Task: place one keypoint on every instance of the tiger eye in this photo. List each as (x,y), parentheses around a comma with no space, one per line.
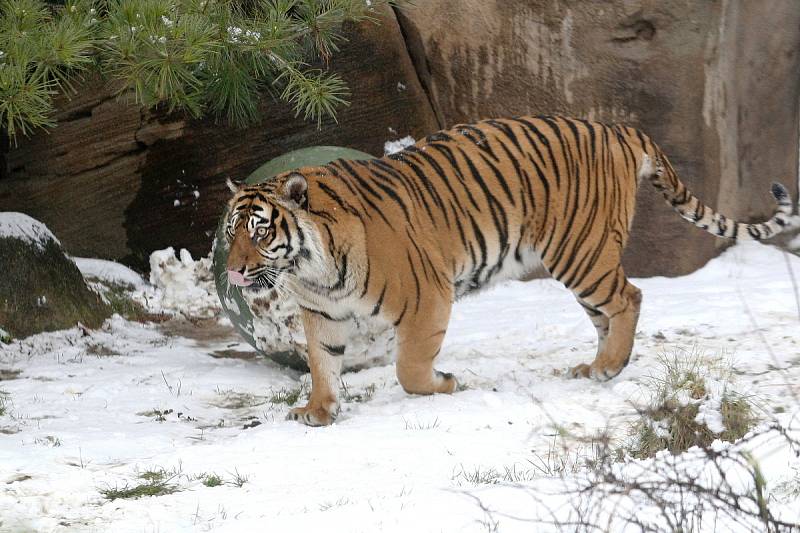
(261,231)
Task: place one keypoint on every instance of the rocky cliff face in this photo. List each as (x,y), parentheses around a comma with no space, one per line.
(714,83)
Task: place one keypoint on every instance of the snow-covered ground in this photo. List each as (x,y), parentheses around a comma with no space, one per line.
(90,412)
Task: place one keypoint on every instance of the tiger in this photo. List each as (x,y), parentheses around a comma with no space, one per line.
(400,238)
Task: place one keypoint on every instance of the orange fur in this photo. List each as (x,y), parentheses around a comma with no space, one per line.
(400,238)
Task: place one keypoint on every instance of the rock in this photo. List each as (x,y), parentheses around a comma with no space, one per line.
(272,323)
(42,289)
(715,84)
(116,182)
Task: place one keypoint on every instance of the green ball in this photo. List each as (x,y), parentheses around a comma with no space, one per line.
(235,307)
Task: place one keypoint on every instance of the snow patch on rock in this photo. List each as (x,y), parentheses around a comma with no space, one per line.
(21,226)
(109,272)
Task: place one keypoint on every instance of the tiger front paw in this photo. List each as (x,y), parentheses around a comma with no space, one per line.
(314,415)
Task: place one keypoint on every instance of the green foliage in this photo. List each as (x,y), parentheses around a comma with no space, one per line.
(212,480)
(287,396)
(148,488)
(39,54)
(198,56)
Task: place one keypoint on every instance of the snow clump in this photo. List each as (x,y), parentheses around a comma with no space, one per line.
(184,285)
(392,147)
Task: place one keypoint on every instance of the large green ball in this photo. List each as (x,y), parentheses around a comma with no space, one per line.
(236,308)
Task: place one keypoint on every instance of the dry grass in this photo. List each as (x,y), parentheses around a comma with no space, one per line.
(558,461)
(4,401)
(671,422)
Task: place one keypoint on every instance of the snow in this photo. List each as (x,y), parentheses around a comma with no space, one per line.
(109,271)
(392,147)
(131,397)
(21,226)
(184,285)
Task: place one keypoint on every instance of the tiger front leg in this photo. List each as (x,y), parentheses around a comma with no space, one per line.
(419,341)
(326,340)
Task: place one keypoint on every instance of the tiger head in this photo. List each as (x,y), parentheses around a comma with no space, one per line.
(267,230)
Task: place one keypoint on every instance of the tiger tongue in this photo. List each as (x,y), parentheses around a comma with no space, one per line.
(237,278)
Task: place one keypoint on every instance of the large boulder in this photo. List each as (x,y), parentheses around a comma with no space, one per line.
(715,84)
(42,289)
(117,182)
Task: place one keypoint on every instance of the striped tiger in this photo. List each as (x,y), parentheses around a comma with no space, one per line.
(401,238)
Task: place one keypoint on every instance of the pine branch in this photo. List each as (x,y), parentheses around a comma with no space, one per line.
(196,56)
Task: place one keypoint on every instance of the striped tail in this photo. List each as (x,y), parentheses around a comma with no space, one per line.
(688,206)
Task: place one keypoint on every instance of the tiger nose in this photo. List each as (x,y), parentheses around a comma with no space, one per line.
(237,278)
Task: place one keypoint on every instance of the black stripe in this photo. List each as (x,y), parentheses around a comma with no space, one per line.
(543,140)
(420,195)
(391,193)
(500,180)
(335,349)
(377,308)
(325,315)
(402,314)
(336,198)
(447,152)
(416,279)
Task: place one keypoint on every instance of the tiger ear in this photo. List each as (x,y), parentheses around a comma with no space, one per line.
(234,186)
(294,190)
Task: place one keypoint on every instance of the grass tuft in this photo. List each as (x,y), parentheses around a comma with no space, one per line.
(357,397)
(492,476)
(49,440)
(286,396)
(559,461)
(789,489)
(325,506)
(4,401)
(156,482)
(212,480)
(239,479)
(148,488)
(420,425)
(691,390)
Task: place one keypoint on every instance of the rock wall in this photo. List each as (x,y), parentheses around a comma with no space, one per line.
(715,84)
(118,183)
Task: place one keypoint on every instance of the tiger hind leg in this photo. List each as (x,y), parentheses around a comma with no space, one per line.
(619,306)
(600,323)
